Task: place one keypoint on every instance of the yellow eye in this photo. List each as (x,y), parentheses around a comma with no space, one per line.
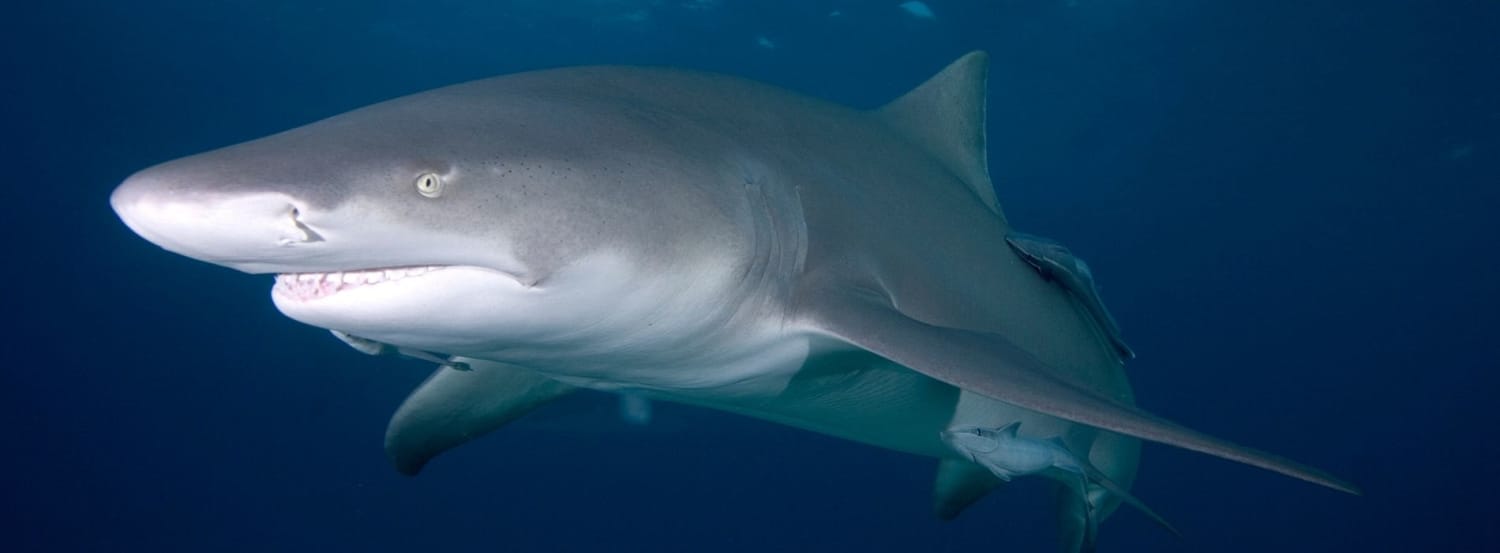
(430,185)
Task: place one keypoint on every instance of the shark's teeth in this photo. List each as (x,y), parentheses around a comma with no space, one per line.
(308,286)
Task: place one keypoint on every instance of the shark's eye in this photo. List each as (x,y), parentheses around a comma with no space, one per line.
(429,185)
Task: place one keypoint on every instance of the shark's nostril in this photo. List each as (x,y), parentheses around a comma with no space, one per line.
(308,234)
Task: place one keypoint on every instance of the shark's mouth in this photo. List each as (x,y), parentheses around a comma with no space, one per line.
(311,286)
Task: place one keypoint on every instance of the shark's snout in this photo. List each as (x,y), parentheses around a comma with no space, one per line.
(239,230)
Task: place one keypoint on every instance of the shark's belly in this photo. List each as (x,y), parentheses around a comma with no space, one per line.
(852,394)
(861,397)
(849,394)
(856,396)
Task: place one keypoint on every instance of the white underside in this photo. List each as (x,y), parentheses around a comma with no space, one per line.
(593,326)
(649,340)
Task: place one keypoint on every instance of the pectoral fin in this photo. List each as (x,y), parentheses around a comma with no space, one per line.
(959,484)
(457,405)
(991,365)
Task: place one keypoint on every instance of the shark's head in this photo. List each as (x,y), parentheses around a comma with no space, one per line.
(975,441)
(470,218)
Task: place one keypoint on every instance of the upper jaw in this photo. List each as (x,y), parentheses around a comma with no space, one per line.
(270,233)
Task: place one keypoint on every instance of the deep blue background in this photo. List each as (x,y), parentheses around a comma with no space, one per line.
(1292,207)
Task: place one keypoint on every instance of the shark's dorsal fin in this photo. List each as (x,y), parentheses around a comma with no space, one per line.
(1012,429)
(959,484)
(945,117)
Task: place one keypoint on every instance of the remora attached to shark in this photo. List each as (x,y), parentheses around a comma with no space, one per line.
(682,236)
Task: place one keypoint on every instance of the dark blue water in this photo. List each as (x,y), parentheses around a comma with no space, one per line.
(1292,209)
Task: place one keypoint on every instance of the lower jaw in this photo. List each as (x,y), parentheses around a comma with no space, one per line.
(456,308)
(303,287)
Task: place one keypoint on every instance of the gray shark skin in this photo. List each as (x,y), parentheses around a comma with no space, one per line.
(676,236)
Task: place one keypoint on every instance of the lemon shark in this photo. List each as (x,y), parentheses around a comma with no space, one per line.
(687,237)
